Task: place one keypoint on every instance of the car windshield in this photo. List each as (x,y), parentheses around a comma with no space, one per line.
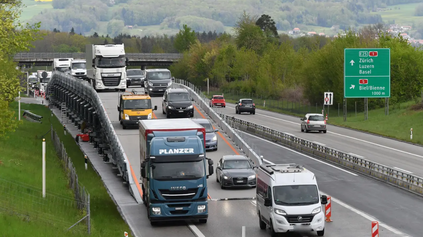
(236,164)
(178,170)
(247,102)
(218,97)
(134,72)
(78,66)
(158,75)
(102,62)
(32,79)
(316,118)
(208,127)
(174,97)
(137,104)
(296,195)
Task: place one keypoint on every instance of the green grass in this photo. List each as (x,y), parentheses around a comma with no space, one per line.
(20,158)
(402,16)
(395,125)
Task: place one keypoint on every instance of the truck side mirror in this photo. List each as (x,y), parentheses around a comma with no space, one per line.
(216,130)
(155,107)
(192,99)
(324,199)
(93,62)
(118,108)
(126,61)
(211,171)
(143,169)
(267,202)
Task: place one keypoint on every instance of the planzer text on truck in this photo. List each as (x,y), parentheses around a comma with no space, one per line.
(106,66)
(173,170)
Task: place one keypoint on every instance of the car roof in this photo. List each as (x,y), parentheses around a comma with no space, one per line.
(245,99)
(177,90)
(201,120)
(134,69)
(217,95)
(157,70)
(234,157)
(313,114)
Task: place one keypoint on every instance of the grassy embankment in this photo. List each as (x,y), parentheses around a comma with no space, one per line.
(396,125)
(20,161)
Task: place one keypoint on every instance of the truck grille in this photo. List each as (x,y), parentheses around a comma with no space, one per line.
(239,180)
(135,118)
(111,81)
(178,194)
(299,218)
(179,212)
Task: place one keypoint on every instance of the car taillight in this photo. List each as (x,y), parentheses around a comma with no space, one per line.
(240,104)
(325,121)
(308,121)
(254,104)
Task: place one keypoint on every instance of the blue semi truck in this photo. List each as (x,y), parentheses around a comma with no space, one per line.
(174,170)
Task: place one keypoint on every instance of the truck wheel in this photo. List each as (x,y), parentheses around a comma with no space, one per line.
(203,221)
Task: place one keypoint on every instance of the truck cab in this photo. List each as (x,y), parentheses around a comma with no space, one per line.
(133,107)
(289,200)
(62,65)
(174,170)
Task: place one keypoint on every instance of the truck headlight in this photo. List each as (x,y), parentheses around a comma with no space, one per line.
(150,115)
(251,177)
(316,210)
(280,212)
(190,107)
(156,210)
(201,208)
(214,138)
(98,83)
(126,117)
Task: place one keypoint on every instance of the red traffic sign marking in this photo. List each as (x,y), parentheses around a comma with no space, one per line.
(327,99)
(363,81)
(373,53)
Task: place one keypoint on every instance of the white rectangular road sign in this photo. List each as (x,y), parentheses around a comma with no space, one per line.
(328,98)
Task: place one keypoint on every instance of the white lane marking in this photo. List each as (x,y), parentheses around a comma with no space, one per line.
(405,171)
(268,161)
(365,215)
(243,231)
(195,230)
(254,202)
(355,155)
(357,139)
(289,149)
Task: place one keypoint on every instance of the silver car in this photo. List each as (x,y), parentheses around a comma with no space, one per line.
(313,122)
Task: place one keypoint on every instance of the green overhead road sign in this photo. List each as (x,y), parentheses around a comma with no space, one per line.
(367,73)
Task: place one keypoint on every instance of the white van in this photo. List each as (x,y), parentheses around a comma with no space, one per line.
(289,200)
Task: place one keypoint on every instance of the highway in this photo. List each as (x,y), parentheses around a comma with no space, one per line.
(399,155)
(227,218)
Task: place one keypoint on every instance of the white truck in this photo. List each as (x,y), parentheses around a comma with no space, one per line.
(62,65)
(289,199)
(79,68)
(106,66)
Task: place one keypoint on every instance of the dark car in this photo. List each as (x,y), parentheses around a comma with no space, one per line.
(177,102)
(211,136)
(157,81)
(135,77)
(245,105)
(236,171)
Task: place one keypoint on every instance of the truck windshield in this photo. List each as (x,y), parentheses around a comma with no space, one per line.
(178,170)
(32,80)
(137,104)
(174,97)
(44,80)
(158,75)
(78,66)
(296,195)
(62,69)
(102,62)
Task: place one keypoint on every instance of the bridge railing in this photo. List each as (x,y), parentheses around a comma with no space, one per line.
(133,56)
(230,125)
(80,102)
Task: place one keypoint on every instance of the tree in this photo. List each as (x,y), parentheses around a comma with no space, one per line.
(267,25)
(248,34)
(15,38)
(72,31)
(419,10)
(184,39)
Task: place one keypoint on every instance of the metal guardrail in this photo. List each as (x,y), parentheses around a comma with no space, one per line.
(31,116)
(387,174)
(203,102)
(133,56)
(80,103)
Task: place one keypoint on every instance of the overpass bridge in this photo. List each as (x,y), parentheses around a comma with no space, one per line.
(134,59)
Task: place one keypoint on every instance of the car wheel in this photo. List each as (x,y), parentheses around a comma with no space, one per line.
(217,179)
(236,111)
(272,230)
(261,223)
(167,115)
(254,112)
(321,233)
(221,184)
(324,131)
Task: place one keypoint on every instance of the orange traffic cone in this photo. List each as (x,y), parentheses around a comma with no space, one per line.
(326,116)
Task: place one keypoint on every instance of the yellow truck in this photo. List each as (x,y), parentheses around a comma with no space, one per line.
(133,107)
